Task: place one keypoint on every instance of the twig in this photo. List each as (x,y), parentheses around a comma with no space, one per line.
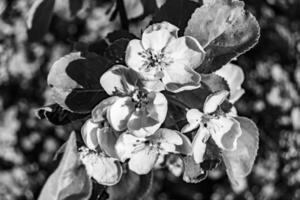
(123,15)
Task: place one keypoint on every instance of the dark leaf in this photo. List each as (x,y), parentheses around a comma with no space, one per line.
(177,12)
(131,187)
(175,116)
(98,47)
(214,82)
(116,51)
(99,192)
(121,34)
(75,6)
(75,81)
(212,156)
(226,106)
(192,98)
(193,173)
(39,18)
(195,98)
(150,6)
(70,180)
(55,114)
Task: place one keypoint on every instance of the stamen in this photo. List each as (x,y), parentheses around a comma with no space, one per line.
(154,59)
(140,98)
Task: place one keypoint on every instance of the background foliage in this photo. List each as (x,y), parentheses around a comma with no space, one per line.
(272,70)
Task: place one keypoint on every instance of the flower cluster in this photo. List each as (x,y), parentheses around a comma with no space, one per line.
(128,127)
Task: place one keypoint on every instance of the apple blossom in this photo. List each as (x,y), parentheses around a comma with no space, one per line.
(164,57)
(133,107)
(100,158)
(222,128)
(144,152)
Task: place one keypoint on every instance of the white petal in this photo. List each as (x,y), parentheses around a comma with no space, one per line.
(153,85)
(157,36)
(141,124)
(186,146)
(107,139)
(234,76)
(105,170)
(233,112)
(164,135)
(133,56)
(186,50)
(115,80)
(165,25)
(194,116)
(143,161)
(199,144)
(167,148)
(147,122)
(89,134)
(236,95)
(214,100)
(225,132)
(99,112)
(119,113)
(126,145)
(179,77)
(189,127)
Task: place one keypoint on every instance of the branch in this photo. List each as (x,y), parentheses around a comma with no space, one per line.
(123,15)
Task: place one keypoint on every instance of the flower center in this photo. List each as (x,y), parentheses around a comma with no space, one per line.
(153,59)
(140,98)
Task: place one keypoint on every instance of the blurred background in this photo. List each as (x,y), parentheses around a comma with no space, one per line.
(272,84)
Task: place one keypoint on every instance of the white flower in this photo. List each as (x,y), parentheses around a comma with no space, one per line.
(144,152)
(234,76)
(98,138)
(133,108)
(163,57)
(100,157)
(223,129)
(105,170)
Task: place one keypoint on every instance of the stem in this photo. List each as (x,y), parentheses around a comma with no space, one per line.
(123,15)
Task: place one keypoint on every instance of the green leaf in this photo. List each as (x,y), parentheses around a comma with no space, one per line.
(239,163)
(39,18)
(210,83)
(214,82)
(193,172)
(98,47)
(75,6)
(116,51)
(175,116)
(212,156)
(131,187)
(55,114)
(211,20)
(226,31)
(75,81)
(176,12)
(121,34)
(70,180)
(150,7)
